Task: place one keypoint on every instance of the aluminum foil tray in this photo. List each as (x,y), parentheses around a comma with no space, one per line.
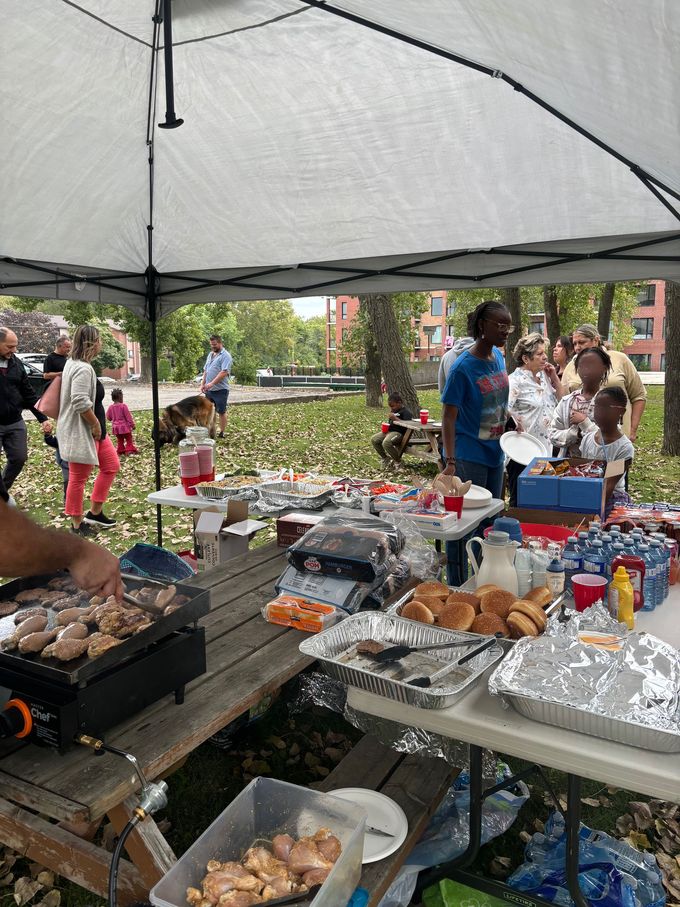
(574,719)
(296,493)
(329,645)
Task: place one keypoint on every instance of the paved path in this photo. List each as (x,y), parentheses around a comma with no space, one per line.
(138,396)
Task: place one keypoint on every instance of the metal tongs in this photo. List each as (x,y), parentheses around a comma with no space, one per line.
(149,607)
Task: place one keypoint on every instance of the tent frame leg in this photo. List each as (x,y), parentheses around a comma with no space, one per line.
(153,320)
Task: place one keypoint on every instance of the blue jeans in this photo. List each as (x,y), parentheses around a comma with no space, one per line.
(489,477)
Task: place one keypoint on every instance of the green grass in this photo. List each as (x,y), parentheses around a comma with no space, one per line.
(331,437)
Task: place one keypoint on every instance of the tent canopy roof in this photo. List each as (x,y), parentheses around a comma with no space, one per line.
(320,155)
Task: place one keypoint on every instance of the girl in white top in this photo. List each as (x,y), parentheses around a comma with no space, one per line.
(608,442)
(533,394)
(573,417)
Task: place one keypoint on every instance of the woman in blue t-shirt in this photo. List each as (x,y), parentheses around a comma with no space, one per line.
(475,402)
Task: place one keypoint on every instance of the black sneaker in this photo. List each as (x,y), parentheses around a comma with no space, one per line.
(87,532)
(220,434)
(98,519)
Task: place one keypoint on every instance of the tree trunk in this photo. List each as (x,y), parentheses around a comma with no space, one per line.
(552,314)
(145,363)
(384,327)
(671,409)
(372,374)
(511,299)
(604,313)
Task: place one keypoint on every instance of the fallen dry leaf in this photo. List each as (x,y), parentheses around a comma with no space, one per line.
(590,801)
(51,899)
(25,890)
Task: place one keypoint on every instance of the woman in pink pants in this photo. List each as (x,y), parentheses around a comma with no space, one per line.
(81,431)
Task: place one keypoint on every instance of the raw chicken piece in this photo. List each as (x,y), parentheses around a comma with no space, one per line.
(66,649)
(277,888)
(265,865)
(194,897)
(75,630)
(100,643)
(165,597)
(329,846)
(232,878)
(315,877)
(240,899)
(31,625)
(36,642)
(29,612)
(305,856)
(68,615)
(281,845)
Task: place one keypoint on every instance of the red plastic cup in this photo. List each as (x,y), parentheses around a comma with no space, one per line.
(588,589)
(424,416)
(453,503)
(385,427)
(188,483)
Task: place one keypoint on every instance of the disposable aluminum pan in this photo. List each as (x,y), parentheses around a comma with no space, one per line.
(573,719)
(329,645)
(299,494)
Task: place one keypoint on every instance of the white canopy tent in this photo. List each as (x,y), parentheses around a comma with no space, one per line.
(346,148)
(466,143)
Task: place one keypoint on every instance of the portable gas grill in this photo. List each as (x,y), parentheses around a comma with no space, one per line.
(52,701)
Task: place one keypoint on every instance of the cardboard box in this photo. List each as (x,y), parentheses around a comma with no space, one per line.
(220,536)
(550,517)
(292,526)
(566,493)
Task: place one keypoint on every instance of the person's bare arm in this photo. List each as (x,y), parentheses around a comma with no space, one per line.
(636,411)
(27,549)
(49,375)
(449,416)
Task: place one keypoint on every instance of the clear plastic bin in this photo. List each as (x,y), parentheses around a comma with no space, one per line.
(263,809)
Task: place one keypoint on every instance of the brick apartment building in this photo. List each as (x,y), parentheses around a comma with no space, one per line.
(647,350)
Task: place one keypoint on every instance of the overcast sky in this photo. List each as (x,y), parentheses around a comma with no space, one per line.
(310,306)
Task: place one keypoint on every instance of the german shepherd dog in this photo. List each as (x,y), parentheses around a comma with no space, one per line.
(175,419)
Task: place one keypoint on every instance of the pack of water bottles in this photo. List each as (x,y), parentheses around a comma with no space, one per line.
(611,873)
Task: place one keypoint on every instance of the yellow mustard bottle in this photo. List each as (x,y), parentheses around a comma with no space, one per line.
(621,598)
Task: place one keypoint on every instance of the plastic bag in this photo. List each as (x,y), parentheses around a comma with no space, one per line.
(611,873)
(447,834)
(421,557)
(150,560)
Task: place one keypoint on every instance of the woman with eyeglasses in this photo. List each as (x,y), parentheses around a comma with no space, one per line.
(534,392)
(573,418)
(475,410)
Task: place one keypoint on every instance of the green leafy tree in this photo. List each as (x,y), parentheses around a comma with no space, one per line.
(35,331)
(112,355)
(310,344)
(267,331)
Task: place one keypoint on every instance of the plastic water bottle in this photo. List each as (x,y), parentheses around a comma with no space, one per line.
(657,550)
(607,551)
(583,541)
(649,580)
(615,530)
(572,558)
(593,559)
(594,530)
(638,537)
(661,538)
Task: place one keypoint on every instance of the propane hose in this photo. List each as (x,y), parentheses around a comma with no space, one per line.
(115,859)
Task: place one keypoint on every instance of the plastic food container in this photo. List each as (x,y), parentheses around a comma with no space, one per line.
(263,809)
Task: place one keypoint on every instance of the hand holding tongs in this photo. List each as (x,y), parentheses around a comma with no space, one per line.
(149,607)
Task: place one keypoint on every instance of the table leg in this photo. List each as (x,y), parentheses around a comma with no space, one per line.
(573,822)
(147,848)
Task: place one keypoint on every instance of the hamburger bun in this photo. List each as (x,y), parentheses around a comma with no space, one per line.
(465,597)
(416,610)
(434,604)
(489,624)
(540,596)
(438,590)
(497,602)
(458,616)
(529,609)
(486,587)
(521,625)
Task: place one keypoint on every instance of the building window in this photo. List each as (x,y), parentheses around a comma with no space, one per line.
(131,354)
(647,295)
(418,341)
(344,310)
(536,325)
(331,343)
(450,308)
(641,361)
(437,336)
(662,362)
(643,327)
(437,306)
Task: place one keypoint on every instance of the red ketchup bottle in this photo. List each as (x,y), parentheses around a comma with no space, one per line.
(635,568)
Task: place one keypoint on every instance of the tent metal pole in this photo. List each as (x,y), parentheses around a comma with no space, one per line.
(153,319)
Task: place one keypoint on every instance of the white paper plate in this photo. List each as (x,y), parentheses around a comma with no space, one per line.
(382,813)
(522,447)
(477,497)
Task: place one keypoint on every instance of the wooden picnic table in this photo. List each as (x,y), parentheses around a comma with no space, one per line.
(420,440)
(247,658)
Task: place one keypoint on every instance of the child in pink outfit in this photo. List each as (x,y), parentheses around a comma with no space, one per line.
(122,423)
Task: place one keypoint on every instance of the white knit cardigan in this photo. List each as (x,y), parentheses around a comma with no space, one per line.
(78,391)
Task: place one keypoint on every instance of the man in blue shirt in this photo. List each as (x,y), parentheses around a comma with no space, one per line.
(215,384)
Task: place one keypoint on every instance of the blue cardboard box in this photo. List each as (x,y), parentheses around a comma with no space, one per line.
(571,494)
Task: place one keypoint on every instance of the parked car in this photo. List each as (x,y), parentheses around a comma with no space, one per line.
(35,378)
(36,359)
(108,382)
(133,376)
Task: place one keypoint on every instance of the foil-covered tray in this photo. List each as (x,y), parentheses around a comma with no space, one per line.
(331,645)
(396,606)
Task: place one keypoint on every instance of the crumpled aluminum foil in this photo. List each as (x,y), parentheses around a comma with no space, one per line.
(321,690)
(639,683)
